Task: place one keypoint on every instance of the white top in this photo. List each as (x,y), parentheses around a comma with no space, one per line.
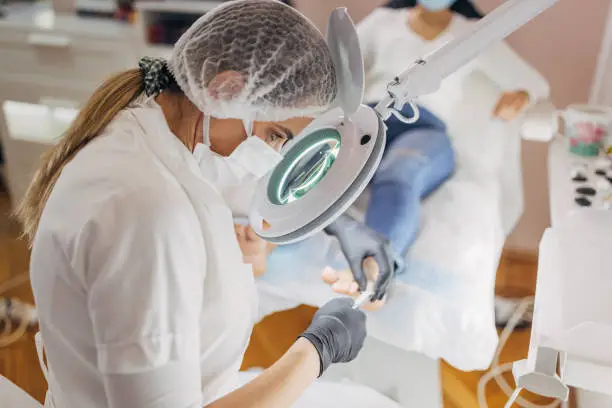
(389,47)
(143,297)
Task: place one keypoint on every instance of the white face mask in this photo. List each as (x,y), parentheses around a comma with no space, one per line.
(250,161)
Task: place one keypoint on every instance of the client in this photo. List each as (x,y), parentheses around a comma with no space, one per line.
(420,157)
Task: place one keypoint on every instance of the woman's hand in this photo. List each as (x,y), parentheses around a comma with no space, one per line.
(250,243)
(343,282)
(255,250)
(511,104)
(337,331)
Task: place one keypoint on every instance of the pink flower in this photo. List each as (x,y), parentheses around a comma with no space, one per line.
(590,133)
(600,133)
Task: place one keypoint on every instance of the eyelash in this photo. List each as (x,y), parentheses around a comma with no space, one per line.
(274,136)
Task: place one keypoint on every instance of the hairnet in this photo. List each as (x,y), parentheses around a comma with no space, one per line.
(255,60)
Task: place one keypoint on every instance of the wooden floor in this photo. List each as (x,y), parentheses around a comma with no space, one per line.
(270,338)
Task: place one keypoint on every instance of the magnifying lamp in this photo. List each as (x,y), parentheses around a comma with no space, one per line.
(328,165)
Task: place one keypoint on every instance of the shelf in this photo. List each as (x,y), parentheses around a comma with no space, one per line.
(178,6)
(37,122)
(41,17)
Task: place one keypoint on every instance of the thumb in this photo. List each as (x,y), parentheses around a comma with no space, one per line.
(356,266)
(251,234)
(498,106)
(239,229)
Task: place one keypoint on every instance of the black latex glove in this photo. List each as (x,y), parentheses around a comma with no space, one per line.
(337,331)
(358,241)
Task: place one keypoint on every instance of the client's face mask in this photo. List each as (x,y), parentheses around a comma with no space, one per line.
(436,5)
(243,168)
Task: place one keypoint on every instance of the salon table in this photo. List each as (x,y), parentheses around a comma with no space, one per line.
(562,192)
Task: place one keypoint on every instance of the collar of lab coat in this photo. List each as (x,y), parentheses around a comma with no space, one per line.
(173,154)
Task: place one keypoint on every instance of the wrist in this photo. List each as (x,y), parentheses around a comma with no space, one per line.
(307,353)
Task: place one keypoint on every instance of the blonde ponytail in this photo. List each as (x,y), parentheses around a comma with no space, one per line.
(109,99)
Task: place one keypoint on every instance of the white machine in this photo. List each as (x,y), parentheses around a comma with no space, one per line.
(571,336)
(338,152)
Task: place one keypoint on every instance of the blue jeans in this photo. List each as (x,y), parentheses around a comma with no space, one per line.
(418,158)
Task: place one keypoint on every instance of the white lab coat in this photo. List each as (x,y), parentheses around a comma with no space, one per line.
(389,47)
(137,275)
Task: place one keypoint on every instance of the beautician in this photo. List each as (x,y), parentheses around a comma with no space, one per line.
(143,297)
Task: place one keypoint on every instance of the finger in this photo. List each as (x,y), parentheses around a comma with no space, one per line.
(519,103)
(371,269)
(342,287)
(385,266)
(329,275)
(381,287)
(499,106)
(347,283)
(496,111)
(252,235)
(346,277)
(508,113)
(358,274)
(373,306)
(239,229)
(522,97)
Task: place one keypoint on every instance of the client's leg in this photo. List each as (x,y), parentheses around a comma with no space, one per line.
(418,158)
(416,163)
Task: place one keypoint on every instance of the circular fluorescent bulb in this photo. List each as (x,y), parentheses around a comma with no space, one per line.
(323,171)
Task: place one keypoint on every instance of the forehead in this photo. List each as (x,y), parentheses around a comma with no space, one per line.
(295,125)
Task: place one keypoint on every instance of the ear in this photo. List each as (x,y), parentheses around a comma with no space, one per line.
(226,85)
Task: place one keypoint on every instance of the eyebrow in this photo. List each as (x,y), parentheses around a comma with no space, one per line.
(287,132)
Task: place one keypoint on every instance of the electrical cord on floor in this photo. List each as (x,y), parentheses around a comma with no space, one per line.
(13,310)
(505,307)
(496,372)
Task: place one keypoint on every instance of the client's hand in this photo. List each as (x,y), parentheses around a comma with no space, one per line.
(510,104)
(343,282)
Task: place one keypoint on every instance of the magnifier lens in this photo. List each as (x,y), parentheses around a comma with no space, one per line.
(304,166)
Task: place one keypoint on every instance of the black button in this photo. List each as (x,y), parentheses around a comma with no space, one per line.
(600,172)
(579,178)
(365,139)
(583,201)
(586,191)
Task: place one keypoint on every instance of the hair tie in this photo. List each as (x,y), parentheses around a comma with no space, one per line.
(156,75)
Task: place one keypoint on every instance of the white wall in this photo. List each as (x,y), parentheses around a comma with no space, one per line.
(601,92)
(564,44)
